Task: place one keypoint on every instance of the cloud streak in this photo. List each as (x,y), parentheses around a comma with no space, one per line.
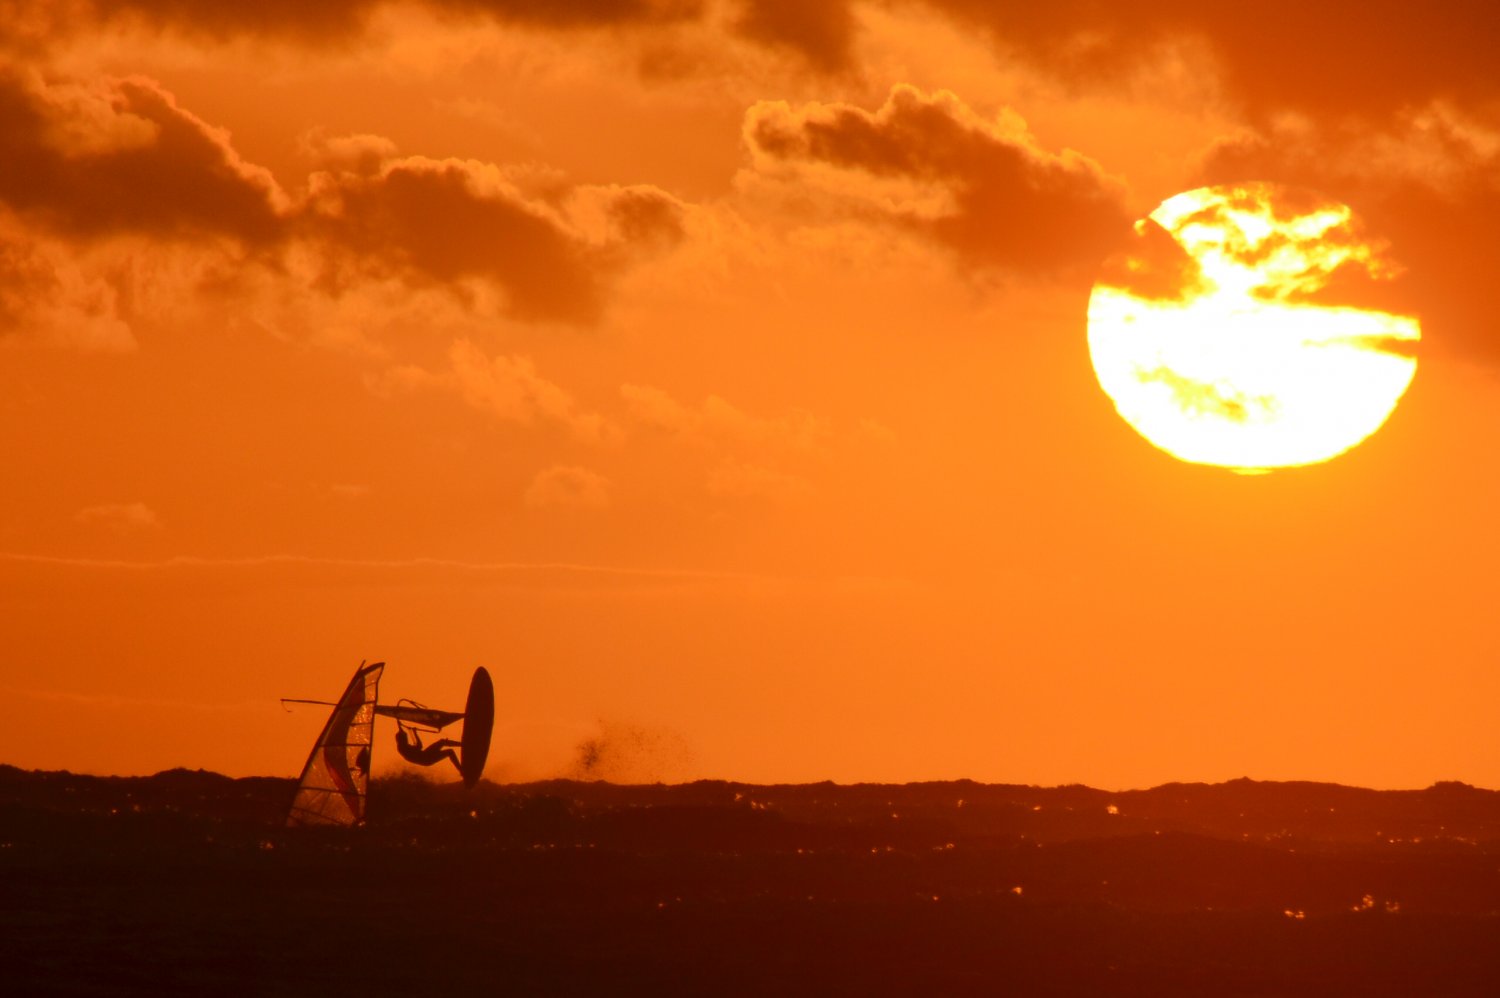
(498,567)
(530,574)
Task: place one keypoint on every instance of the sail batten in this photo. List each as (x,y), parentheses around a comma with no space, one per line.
(336,778)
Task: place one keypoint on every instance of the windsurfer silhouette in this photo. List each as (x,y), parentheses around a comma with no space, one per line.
(413,751)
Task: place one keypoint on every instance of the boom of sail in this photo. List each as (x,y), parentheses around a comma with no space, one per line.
(416,715)
(337,775)
(406,712)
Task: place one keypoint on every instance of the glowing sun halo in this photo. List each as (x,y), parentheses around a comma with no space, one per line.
(1218,336)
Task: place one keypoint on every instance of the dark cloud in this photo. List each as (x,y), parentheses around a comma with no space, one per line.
(1154,266)
(440,221)
(25,277)
(1352,266)
(577,13)
(1276,54)
(643,216)
(330,19)
(1011,206)
(823,33)
(1438,213)
(124,158)
(45,297)
(1272,55)
(820,32)
(323,19)
(85,163)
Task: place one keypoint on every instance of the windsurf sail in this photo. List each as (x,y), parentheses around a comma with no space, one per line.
(337,775)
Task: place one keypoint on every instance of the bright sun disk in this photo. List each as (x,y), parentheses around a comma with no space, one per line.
(1212,336)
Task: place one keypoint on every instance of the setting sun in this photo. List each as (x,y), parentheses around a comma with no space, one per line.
(1215,338)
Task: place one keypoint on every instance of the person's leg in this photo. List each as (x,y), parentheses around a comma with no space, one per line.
(453,758)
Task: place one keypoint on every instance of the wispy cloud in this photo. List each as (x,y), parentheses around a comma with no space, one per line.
(113,702)
(509,388)
(570,487)
(121,517)
(533,570)
(253,561)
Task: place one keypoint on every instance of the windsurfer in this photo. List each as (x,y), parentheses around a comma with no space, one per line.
(413,751)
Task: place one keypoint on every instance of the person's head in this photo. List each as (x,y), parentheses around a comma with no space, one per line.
(401,736)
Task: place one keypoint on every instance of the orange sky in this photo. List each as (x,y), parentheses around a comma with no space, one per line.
(715,373)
